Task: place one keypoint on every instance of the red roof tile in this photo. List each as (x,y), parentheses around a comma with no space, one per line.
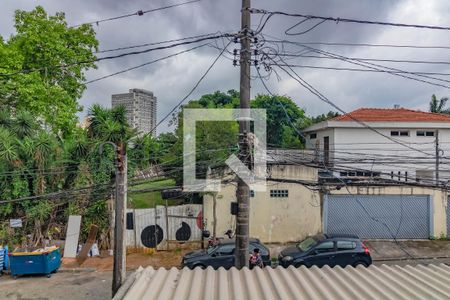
(392,115)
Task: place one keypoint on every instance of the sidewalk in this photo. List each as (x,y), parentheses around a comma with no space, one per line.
(384,250)
(391,250)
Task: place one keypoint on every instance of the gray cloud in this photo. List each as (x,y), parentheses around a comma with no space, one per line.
(172,79)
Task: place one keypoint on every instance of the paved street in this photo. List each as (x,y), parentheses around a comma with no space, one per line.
(67,286)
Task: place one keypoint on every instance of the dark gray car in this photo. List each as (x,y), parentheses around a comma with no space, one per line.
(325,249)
(222,255)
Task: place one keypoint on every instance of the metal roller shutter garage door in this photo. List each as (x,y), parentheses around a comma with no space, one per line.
(378,216)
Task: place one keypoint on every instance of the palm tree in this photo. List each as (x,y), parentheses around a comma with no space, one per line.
(109,124)
(438,106)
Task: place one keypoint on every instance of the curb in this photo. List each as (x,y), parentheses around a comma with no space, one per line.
(76,270)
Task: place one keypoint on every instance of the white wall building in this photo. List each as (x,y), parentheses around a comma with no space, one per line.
(140,108)
(398,144)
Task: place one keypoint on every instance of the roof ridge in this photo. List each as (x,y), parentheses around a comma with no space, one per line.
(414,115)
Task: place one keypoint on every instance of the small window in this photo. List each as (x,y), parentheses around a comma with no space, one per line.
(313,136)
(325,247)
(343,174)
(394,133)
(252,193)
(279,193)
(400,133)
(424,133)
(345,245)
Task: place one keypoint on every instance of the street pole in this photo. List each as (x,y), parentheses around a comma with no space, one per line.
(437,157)
(243,190)
(119,269)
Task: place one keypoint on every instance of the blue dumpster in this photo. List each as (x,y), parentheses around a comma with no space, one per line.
(45,261)
(2,259)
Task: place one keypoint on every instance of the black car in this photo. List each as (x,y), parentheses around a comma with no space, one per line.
(326,249)
(222,255)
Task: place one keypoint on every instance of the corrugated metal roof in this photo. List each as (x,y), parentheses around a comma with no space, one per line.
(375,282)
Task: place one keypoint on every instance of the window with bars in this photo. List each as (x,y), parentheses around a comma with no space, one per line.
(424,133)
(400,133)
(279,193)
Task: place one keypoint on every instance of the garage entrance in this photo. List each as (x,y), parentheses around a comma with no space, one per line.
(378,216)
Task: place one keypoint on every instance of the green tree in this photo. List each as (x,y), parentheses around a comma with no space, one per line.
(47,60)
(324,117)
(215,141)
(27,153)
(438,106)
(284,120)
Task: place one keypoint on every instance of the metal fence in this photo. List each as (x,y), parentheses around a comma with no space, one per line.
(155,227)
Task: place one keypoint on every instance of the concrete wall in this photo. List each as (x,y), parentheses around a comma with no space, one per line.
(438,198)
(273,220)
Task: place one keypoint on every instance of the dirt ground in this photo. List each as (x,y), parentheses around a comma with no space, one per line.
(166,259)
(380,250)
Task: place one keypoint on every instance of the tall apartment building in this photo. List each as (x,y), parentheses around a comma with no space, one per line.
(141,108)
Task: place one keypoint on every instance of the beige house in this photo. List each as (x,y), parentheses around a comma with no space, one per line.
(295,205)
(287,211)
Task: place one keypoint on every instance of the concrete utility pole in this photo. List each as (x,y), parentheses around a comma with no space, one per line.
(119,270)
(243,190)
(437,157)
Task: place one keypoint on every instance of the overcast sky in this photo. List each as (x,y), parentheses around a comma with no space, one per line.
(171,79)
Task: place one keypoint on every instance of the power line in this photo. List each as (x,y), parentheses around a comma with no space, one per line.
(144,64)
(371,59)
(373,45)
(360,70)
(138,13)
(305,84)
(119,55)
(55,194)
(294,127)
(377,67)
(343,20)
(389,70)
(157,43)
(192,90)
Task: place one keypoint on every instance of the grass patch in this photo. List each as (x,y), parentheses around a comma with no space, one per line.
(150,199)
